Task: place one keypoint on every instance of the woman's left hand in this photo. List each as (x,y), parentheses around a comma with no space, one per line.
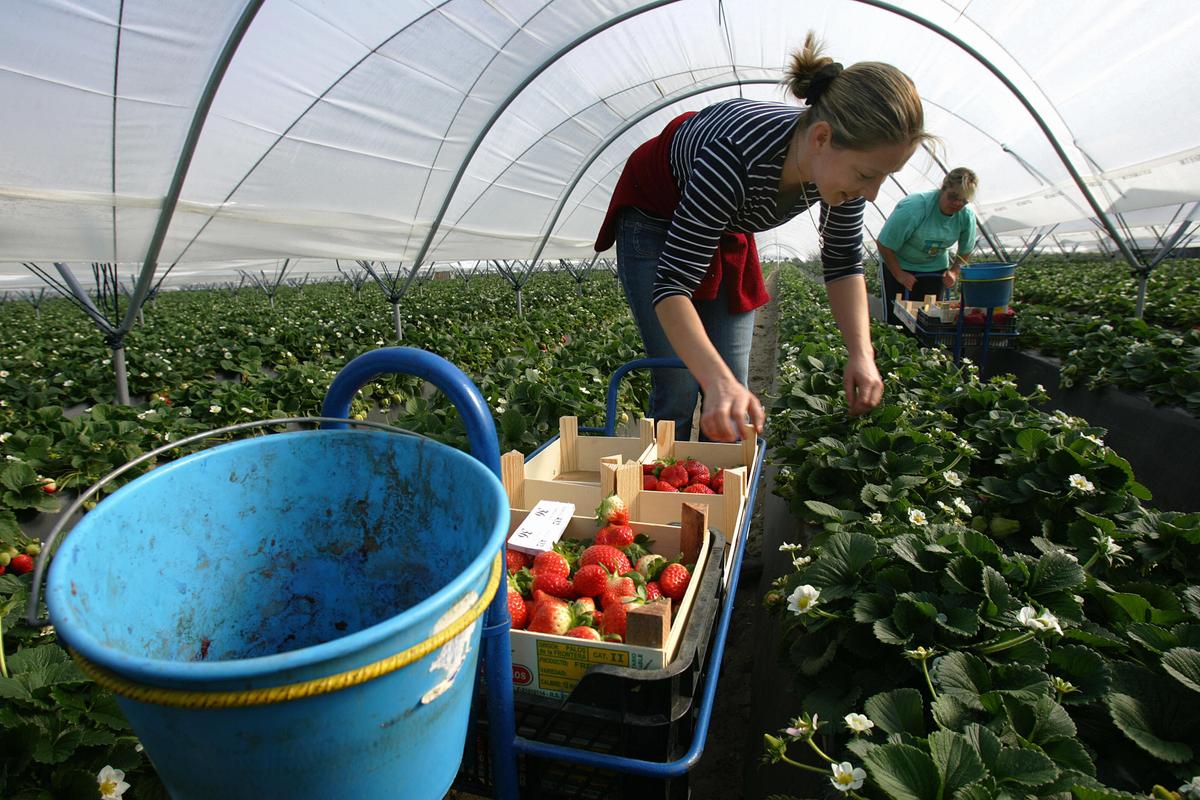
(949,278)
(863,385)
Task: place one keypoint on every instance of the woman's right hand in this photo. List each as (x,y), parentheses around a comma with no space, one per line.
(907,280)
(727,407)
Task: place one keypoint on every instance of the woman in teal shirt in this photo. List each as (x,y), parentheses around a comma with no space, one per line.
(916,239)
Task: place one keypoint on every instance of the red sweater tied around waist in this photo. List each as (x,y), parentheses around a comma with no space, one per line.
(646,183)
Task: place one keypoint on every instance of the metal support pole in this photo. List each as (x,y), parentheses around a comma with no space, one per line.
(118,359)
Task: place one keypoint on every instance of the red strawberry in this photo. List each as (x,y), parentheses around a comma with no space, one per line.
(615,535)
(675,474)
(697,471)
(663,486)
(648,566)
(673,581)
(591,580)
(649,469)
(23,562)
(516,560)
(598,619)
(551,616)
(49,486)
(697,488)
(584,632)
(613,559)
(517,609)
(617,590)
(551,563)
(615,617)
(717,482)
(649,482)
(553,584)
(653,591)
(612,511)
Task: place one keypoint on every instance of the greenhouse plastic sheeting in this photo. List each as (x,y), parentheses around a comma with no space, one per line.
(340,128)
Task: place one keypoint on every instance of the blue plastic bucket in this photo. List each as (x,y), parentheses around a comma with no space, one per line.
(281,561)
(987,285)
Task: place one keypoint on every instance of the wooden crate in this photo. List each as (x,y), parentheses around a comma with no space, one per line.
(725,510)
(572,458)
(548,665)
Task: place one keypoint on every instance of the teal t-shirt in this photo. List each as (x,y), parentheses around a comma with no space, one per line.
(921,234)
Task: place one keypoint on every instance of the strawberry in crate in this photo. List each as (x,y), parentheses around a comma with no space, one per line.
(689,476)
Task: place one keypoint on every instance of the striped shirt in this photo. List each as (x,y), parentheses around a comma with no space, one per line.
(726,161)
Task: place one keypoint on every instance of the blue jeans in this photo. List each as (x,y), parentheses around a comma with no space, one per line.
(640,241)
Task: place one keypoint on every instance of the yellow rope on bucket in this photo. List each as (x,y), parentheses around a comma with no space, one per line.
(180,698)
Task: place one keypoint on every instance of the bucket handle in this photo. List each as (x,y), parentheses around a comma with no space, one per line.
(31,617)
(454,383)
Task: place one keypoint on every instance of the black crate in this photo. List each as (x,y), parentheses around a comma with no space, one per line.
(933,332)
(643,714)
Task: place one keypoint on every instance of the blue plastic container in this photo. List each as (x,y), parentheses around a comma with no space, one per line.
(987,285)
(282,559)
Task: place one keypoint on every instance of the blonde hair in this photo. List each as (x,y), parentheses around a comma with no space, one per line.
(868,105)
(963,179)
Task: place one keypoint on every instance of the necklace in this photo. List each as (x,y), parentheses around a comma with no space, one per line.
(821,227)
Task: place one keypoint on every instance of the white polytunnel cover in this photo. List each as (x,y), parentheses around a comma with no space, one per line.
(416,131)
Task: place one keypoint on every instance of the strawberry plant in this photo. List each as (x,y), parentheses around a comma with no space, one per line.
(985,609)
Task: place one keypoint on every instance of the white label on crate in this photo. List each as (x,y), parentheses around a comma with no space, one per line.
(542,527)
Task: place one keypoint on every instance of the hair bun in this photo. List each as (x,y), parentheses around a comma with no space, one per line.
(820,82)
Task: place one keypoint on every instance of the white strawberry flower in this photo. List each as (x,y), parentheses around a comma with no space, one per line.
(112,783)
(1049,622)
(1096,440)
(962,506)
(3,373)
(4,436)
(1177,342)
(1191,788)
(803,599)
(803,726)
(917,517)
(952,478)
(1081,483)
(214,409)
(859,723)
(847,777)
(788,547)
(1106,328)
(875,518)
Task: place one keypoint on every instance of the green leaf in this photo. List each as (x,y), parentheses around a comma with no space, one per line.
(823,509)
(956,760)
(18,475)
(1070,754)
(1040,721)
(903,772)
(950,713)
(986,743)
(1024,767)
(1141,719)
(996,589)
(1084,668)
(1030,439)
(837,569)
(959,621)
(1191,600)
(1093,793)
(1183,664)
(965,677)
(1155,638)
(1055,571)
(897,711)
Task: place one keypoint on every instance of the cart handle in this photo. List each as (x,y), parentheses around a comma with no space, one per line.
(610,402)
